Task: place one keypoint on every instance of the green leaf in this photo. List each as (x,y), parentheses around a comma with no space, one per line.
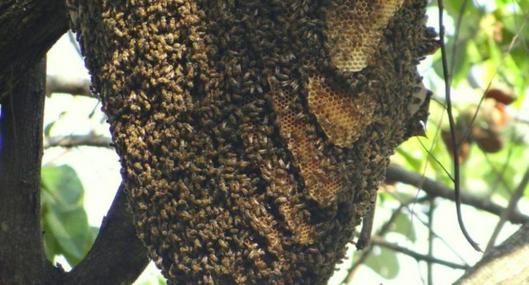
(384,262)
(66,229)
(64,185)
(51,245)
(47,129)
(69,233)
(403,225)
(411,161)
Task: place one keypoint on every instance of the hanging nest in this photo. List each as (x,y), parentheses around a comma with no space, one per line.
(253,134)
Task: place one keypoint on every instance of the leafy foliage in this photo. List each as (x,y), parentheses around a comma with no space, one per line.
(64,219)
(487,44)
(384,262)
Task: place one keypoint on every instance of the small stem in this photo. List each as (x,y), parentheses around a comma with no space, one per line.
(429,263)
(516,196)
(381,232)
(455,150)
(436,189)
(418,256)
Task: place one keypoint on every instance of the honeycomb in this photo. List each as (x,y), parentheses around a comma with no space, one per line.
(342,116)
(283,187)
(322,185)
(354,29)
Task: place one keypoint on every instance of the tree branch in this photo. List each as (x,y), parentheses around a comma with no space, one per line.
(437,189)
(516,196)
(418,256)
(22,258)
(78,140)
(117,256)
(380,232)
(55,84)
(507,263)
(29,29)
(429,263)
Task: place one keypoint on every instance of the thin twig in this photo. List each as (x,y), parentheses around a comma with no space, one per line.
(468,131)
(437,189)
(78,140)
(523,184)
(429,263)
(451,121)
(74,43)
(516,196)
(381,232)
(425,224)
(430,157)
(418,256)
(456,34)
(55,84)
(439,163)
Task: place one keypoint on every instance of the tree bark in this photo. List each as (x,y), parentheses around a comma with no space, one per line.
(117,256)
(28,29)
(505,264)
(22,258)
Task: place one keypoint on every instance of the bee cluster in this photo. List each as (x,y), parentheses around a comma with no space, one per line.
(252,134)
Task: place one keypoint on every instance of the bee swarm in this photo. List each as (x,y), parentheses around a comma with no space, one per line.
(253,134)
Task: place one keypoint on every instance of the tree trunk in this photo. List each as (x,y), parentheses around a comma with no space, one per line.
(22,259)
(28,28)
(253,134)
(117,256)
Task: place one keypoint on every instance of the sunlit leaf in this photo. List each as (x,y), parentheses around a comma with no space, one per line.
(384,262)
(66,229)
(404,226)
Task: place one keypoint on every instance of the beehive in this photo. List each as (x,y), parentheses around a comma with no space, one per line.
(242,162)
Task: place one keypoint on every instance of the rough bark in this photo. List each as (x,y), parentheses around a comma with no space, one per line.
(117,256)
(505,264)
(28,28)
(22,258)
(251,142)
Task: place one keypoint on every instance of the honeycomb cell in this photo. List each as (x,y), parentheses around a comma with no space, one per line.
(341,116)
(354,29)
(321,182)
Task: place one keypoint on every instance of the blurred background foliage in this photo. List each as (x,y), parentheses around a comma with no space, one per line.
(64,218)
(488,56)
